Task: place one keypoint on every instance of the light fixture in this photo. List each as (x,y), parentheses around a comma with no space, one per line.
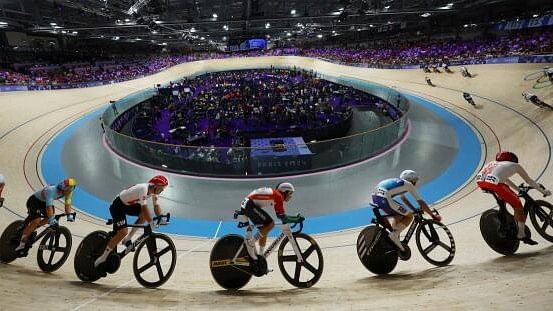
(425,14)
(225,27)
(215,15)
(358,29)
(192,29)
(53,24)
(386,7)
(340,9)
(465,25)
(202,38)
(116,38)
(293,12)
(371,25)
(127,20)
(158,22)
(74,32)
(319,36)
(288,34)
(267,25)
(535,15)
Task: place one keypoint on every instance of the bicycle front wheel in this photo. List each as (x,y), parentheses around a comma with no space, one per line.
(312,264)
(541,216)
(154,265)
(54,249)
(435,242)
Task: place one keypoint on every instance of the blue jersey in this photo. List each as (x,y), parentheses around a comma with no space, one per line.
(392,187)
(50,193)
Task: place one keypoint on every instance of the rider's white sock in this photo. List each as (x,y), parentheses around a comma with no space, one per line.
(130,235)
(261,249)
(521,230)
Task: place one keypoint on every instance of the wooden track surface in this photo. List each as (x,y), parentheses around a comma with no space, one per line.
(478,278)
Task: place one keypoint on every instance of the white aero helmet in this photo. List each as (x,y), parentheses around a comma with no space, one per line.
(410,176)
(2,179)
(285,187)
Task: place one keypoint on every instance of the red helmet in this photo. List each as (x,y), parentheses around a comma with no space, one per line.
(159,180)
(506,156)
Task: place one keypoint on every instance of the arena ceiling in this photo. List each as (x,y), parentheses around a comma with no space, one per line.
(220,22)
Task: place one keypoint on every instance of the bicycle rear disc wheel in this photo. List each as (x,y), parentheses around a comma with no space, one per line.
(541,216)
(312,263)
(54,249)
(90,248)
(10,240)
(154,264)
(500,238)
(383,257)
(226,274)
(435,242)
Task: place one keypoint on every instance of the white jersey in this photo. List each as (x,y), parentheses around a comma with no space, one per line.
(137,194)
(499,172)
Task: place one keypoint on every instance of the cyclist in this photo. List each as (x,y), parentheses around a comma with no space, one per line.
(40,209)
(495,176)
(252,207)
(402,214)
(469,99)
(133,202)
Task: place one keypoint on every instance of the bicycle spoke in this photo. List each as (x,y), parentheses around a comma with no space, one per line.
(159,270)
(309,267)
(289,258)
(297,272)
(433,233)
(430,248)
(51,257)
(146,266)
(444,246)
(163,251)
(544,226)
(426,234)
(308,252)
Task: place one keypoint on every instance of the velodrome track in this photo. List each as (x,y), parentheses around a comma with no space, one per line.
(478,278)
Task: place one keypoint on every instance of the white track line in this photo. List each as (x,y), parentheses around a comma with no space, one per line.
(133,279)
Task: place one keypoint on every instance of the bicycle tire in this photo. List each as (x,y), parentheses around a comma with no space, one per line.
(227,275)
(151,246)
(427,227)
(90,248)
(383,257)
(53,238)
(10,240)
(490,227)
(313,248)
(537,213)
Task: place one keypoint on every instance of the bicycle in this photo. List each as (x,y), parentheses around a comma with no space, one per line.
(232,262)
(380,255)
(499,228)
(55,239)
(94,244)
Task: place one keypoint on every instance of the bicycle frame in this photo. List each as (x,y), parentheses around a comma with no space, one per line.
(379,220)
(47,230)
(285,232)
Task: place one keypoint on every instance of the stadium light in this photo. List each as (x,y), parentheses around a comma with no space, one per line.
(215,15)
(293,12)
(425,15)
(267,25)
(288,34)
(386,7)
(319,36)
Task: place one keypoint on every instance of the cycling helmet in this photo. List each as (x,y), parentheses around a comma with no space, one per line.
(2,180)
(67,184)
(285,187)
(410,176)
(159,180)
(506,156)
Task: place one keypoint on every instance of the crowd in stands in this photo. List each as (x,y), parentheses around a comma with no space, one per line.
(227,108)
(38,76)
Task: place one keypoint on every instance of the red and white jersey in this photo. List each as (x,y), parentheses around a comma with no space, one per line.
(499,172)
(266,196)
(137,194)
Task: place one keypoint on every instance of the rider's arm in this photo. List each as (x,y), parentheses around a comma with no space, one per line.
(420,201)
(68,202)
(511,184)
(406,202)
(522,172)
(157,208)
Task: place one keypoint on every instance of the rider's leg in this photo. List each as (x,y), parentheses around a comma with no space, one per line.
(35,210)
(140,220)
(507,195)
(264,231)
(112,244)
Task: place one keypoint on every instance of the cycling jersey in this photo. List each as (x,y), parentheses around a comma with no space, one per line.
(137,194)
(50,193)
(387,189)
(499,173)
(495,175)
(266,196)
